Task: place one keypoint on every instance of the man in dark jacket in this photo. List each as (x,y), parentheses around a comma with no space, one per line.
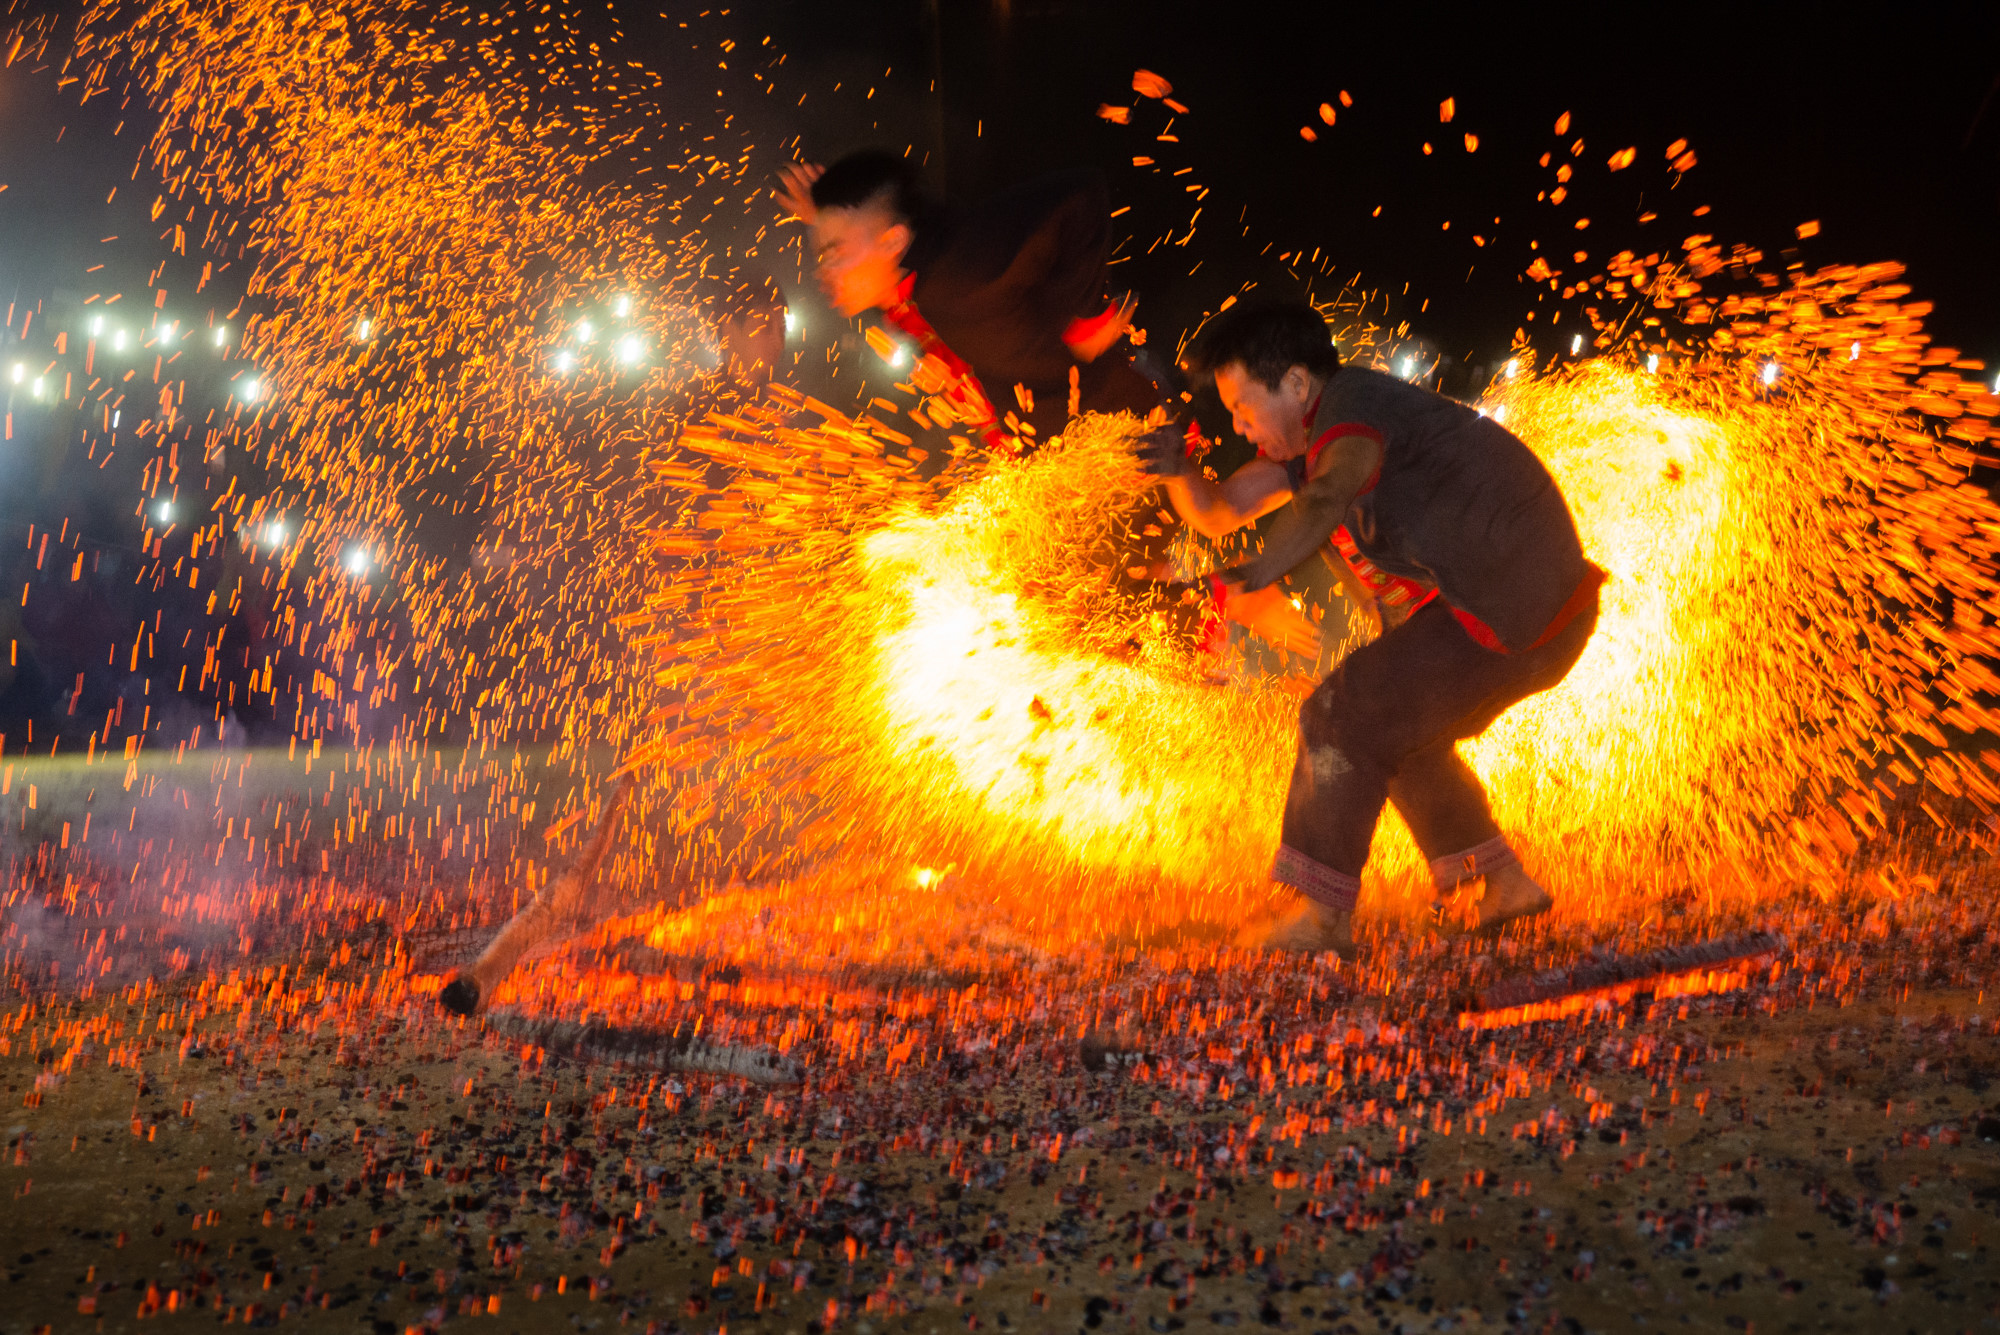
(1441,518)
(1004,302)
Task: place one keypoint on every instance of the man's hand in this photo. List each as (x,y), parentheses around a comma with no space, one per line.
(1163,452)
(1269,614)
(795,192)
(1119,319)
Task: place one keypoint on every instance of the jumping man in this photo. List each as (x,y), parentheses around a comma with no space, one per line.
(1004,302)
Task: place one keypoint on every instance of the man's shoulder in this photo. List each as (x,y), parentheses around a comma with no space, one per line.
(1386,402)
(972,253)
(1366,384)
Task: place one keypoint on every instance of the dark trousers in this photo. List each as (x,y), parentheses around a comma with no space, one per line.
(1384,726)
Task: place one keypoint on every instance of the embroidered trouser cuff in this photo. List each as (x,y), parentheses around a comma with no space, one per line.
(1448,871)
(1318,882)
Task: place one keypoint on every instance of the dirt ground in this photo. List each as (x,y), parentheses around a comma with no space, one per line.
(1299,1145)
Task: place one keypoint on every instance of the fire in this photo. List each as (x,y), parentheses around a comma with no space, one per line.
(804,649)
(1109,764)
(973,694)
(1758,690)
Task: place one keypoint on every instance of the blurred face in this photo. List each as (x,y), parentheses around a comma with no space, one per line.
(1272,419)
(860,254)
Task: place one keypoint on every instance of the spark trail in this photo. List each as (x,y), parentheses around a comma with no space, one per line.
(937,672)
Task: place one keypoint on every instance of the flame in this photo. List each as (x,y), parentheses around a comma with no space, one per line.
(1792,574)
(980,685)
(854,660)
(1140,768)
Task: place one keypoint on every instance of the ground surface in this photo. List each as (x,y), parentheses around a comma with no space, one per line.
(1293,1144)
(236,1100)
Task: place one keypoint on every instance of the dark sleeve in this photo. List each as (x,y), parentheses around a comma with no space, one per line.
(1003,281)
(1071,246)
(1051,238)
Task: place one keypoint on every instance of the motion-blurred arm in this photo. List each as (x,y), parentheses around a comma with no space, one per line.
(1340,472)
(1213,509)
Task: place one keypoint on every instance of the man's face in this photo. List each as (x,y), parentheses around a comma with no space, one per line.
(860,254)
(1272,419)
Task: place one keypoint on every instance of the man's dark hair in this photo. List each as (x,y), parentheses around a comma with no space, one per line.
(872,176)
(1267,340)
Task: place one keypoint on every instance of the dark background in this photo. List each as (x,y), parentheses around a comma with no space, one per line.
(1881,123)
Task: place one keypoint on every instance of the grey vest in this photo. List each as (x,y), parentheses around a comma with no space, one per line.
(1460,503)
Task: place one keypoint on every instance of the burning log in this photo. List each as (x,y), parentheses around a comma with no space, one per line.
(653,1049)
(1589,975)
(561,907)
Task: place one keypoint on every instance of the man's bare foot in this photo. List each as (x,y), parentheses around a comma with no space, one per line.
(1511,895)
(1309,928)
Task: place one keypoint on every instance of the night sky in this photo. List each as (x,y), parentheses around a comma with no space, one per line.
(1882,125)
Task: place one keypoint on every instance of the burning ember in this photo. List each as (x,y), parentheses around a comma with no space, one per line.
(936,825)
(978,697)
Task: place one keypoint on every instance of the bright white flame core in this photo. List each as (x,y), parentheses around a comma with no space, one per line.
(1655,495)
(1132,767)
